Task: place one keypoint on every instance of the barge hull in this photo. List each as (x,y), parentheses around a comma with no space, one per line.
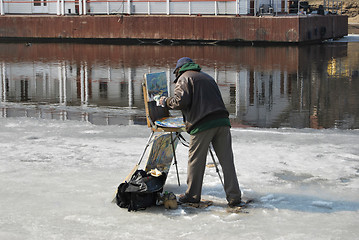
(285,29)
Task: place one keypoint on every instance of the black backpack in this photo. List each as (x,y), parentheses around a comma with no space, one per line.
(140,192)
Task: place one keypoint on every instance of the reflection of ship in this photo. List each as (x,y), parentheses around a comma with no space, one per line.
(265,87)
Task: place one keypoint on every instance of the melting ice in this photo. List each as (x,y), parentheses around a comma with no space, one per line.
(58,179)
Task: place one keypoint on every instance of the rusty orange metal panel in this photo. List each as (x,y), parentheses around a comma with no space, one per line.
(215,30)
(183,26)
(51,28)
(90,29)
(4,27)
(100,28)
(208,28)
(179,27)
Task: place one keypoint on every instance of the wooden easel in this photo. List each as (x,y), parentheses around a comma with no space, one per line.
(158,118)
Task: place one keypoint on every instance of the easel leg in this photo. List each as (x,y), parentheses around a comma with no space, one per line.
(138,164)
(147,144)
(175,158)
(215,165)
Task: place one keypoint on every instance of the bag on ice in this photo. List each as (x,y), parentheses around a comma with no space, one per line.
(141,191)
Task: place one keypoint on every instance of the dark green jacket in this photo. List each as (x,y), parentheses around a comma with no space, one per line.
(197,95)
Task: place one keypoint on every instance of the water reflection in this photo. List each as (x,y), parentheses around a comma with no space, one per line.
(309,86)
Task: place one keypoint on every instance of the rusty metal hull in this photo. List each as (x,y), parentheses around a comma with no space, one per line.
(288,29)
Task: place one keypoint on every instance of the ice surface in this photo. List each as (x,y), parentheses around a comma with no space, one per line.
(58,179)
(349,38)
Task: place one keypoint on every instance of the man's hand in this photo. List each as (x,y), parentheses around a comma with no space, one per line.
(160,100)
(163,101)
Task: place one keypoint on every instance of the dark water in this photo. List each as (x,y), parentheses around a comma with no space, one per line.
(314,86)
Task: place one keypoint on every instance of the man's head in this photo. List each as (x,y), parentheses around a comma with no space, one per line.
(180,63)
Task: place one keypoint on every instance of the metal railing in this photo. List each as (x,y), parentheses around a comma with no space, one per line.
(304,8)
(84,7)
(148,7)
(167,7)
(333,6)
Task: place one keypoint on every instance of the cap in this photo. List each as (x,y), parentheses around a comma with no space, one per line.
(181,62)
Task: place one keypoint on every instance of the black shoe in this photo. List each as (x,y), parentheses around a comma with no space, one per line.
(236,203)
(183,198)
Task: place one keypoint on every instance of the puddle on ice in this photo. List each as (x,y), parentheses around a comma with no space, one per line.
(292,176)
(305,203)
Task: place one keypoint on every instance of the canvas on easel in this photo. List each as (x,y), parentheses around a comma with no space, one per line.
(161,153)
(156,84)
(158,118)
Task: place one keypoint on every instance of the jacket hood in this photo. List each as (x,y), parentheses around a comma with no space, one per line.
(191,66)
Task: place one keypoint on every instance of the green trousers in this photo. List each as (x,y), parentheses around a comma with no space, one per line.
(221,139)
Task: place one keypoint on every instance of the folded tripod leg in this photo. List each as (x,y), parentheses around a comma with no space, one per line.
(174,156)
(215,164)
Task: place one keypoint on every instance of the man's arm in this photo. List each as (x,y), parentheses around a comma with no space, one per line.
(181,98)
